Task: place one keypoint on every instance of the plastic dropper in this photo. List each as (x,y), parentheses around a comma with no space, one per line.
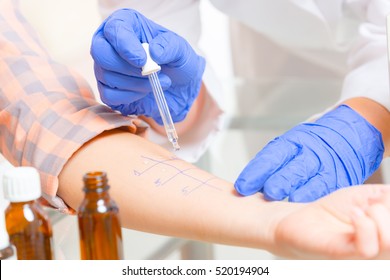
(150,69)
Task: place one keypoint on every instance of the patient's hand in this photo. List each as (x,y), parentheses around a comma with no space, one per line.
(350,223)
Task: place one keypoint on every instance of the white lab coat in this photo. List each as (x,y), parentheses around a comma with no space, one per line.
(347,37)
(333,40)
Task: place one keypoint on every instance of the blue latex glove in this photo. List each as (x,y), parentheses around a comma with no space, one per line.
(118,56)
(314,159)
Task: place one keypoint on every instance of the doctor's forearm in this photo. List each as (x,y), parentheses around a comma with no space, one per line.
(375,114)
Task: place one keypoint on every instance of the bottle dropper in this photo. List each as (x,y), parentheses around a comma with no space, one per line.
(150,69)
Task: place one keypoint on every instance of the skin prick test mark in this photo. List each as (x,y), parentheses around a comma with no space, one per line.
(187,190)
(166,165)
(155,164)
(158,182)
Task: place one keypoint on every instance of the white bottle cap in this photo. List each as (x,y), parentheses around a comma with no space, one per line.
(150,66)
(4,238)
(4,166)
(21,184)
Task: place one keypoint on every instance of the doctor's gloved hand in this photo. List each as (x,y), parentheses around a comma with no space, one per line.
(311,160)
(118,57)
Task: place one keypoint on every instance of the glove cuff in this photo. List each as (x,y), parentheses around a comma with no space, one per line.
(364,140)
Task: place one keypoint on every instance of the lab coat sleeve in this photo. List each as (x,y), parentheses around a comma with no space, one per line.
(182,17)
(368,61)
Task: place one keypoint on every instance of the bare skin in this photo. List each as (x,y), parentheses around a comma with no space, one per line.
(156,192)
(375,114)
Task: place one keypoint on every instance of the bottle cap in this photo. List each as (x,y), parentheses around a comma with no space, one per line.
(4,238)
(21,184)
(150,66)
(4,166)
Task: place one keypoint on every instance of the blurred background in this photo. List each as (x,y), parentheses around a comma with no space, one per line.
(66,27)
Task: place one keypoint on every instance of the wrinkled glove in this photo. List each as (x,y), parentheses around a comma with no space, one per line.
(314,159)
(118,56)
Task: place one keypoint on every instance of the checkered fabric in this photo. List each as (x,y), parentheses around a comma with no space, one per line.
(47,112)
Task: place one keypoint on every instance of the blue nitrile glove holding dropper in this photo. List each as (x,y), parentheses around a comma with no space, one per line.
(118,56)
(312,160)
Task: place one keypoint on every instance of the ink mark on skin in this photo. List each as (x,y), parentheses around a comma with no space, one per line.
(156,163)
(185,190)
(166,165)
(157,182)
(201,184)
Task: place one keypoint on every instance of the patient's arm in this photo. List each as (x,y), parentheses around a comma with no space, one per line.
(350,219)
(156,192)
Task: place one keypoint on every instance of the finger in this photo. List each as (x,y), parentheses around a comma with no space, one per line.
(178,106)
(169,48)
(381,215)
(125,30)
(385,195)
(270,159)
(174,53)
(114,97)
(145,106)
(130,83)
(292,176)
(313,189)
(366,234)
(107,58)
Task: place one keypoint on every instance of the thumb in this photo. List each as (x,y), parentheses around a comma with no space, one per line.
(275,154)
(125,30)
(169,48)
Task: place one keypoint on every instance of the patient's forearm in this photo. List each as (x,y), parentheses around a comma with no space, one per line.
(156,192)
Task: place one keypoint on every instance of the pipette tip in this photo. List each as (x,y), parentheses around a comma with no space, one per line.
(175,145)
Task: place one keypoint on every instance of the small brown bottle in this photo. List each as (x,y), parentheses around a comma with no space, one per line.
(98,218)
(7,250)
(28,226)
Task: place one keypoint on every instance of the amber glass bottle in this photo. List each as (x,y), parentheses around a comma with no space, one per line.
(7,250)
(98,218)
(28,226)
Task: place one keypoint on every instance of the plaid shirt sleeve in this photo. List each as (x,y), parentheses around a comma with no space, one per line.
(47,111)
